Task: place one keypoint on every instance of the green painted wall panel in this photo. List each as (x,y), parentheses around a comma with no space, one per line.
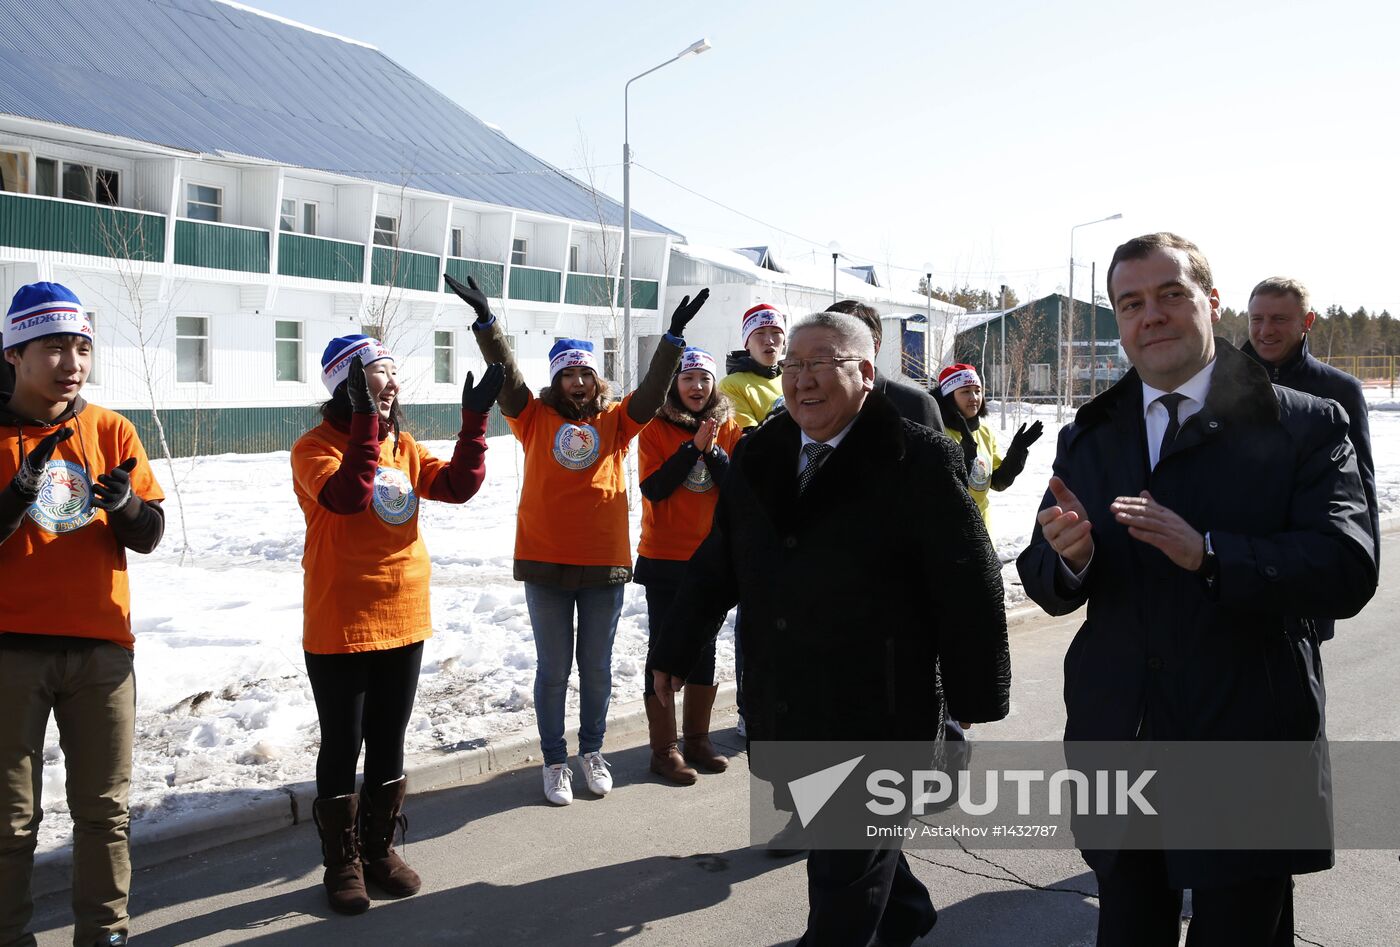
(489,276)
(404,270)
(198,243)
(259,430)
(585,289)
(65,227)
(536,285)
(645,293)
(300,255)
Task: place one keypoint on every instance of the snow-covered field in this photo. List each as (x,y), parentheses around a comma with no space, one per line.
(223,700)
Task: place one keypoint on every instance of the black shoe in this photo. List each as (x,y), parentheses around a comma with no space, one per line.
(114,939)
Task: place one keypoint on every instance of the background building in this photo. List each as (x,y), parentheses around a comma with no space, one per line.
(1031,355)
(227,190)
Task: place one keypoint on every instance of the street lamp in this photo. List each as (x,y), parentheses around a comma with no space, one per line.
(928,323)
(835,249)
(1066,372)
(694,49)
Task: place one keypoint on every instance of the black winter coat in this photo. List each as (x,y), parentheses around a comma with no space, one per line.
(853,591)
(912,403)
(1269,472)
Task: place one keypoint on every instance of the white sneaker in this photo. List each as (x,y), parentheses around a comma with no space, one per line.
(595,770)
(741,730)
(559,783)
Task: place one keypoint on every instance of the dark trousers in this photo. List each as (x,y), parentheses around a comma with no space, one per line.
(362,698)
(1137,908)
(853,896)
(660,594)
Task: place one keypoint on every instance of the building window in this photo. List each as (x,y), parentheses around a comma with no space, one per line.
(455,243)
(518,248)
(94,376)
(107,184)
(76,182)
(610,357)
(288,345)
(203,202)
(573,259)
(46,177)
(14,171)
(310,217)
(386,230)
(191,349)
(443,357)
(288,217)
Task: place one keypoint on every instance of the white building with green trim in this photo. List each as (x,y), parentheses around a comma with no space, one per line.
(226,191)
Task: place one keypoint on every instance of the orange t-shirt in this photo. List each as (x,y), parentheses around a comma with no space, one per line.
(675,527)
(63,572)
(573,503)
(366,573)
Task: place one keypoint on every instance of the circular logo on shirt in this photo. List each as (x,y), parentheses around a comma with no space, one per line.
(576,446)
(699,479)
(394,499)
(980,477)
(65,498)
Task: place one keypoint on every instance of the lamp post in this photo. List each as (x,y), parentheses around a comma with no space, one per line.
(928,322)
(1067,371)
(1002,383)
(835,249)
(694,49)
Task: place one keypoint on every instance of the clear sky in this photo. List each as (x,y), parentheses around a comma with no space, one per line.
(968,136)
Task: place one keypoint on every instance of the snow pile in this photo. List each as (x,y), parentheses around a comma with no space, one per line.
(224,706)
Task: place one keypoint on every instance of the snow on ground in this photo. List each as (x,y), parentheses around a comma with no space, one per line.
(224,706)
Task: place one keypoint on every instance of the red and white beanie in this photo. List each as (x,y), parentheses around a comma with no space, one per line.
(697,359)
(957,376)
(760,316)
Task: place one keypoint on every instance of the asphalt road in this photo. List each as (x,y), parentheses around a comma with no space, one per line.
(654,864)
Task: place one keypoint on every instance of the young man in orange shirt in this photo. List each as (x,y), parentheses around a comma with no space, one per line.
(80,494)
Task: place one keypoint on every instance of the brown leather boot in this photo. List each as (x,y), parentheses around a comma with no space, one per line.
(335,820)
(699,751)
(666,760)
(381,812)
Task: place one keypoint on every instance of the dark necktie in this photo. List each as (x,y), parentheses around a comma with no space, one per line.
(1170,402)
(815,454)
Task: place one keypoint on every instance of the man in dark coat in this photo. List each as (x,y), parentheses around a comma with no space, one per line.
(1279,319)
(913,403)
(1205,516)
(848,537)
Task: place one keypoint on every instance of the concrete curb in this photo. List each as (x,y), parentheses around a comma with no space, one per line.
(265,811)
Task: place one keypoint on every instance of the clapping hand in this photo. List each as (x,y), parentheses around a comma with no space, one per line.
(1066,527)
(706,434)
(480,398)
(1152,523)
(30,476)
(686,311)
(472,295)
(112,491)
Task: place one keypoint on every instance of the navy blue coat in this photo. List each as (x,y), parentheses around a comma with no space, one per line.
(1269,472)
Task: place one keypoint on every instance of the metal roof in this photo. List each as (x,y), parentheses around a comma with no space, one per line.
(220,79)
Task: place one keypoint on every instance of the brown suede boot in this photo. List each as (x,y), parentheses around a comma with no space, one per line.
(699,751)
(666,760)
(335,820)
(381,809)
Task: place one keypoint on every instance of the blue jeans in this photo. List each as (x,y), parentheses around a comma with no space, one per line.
(552,620)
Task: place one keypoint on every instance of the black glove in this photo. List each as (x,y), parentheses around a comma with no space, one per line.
(1025,437)
(483,396)
(686,311)
(472,295)
(112,491)
(357,388)
(30,476)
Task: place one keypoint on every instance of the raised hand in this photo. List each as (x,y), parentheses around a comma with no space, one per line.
(1066,527)
(357,388)
(1026,436)
(483,396)
(706,434)
(1152,523)
(112,491)
(30,476)
(472,295)
(686,311)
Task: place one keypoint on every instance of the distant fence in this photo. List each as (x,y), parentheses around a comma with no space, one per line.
(1377,370)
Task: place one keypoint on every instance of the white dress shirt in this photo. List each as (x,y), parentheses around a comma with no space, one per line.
(833,442)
